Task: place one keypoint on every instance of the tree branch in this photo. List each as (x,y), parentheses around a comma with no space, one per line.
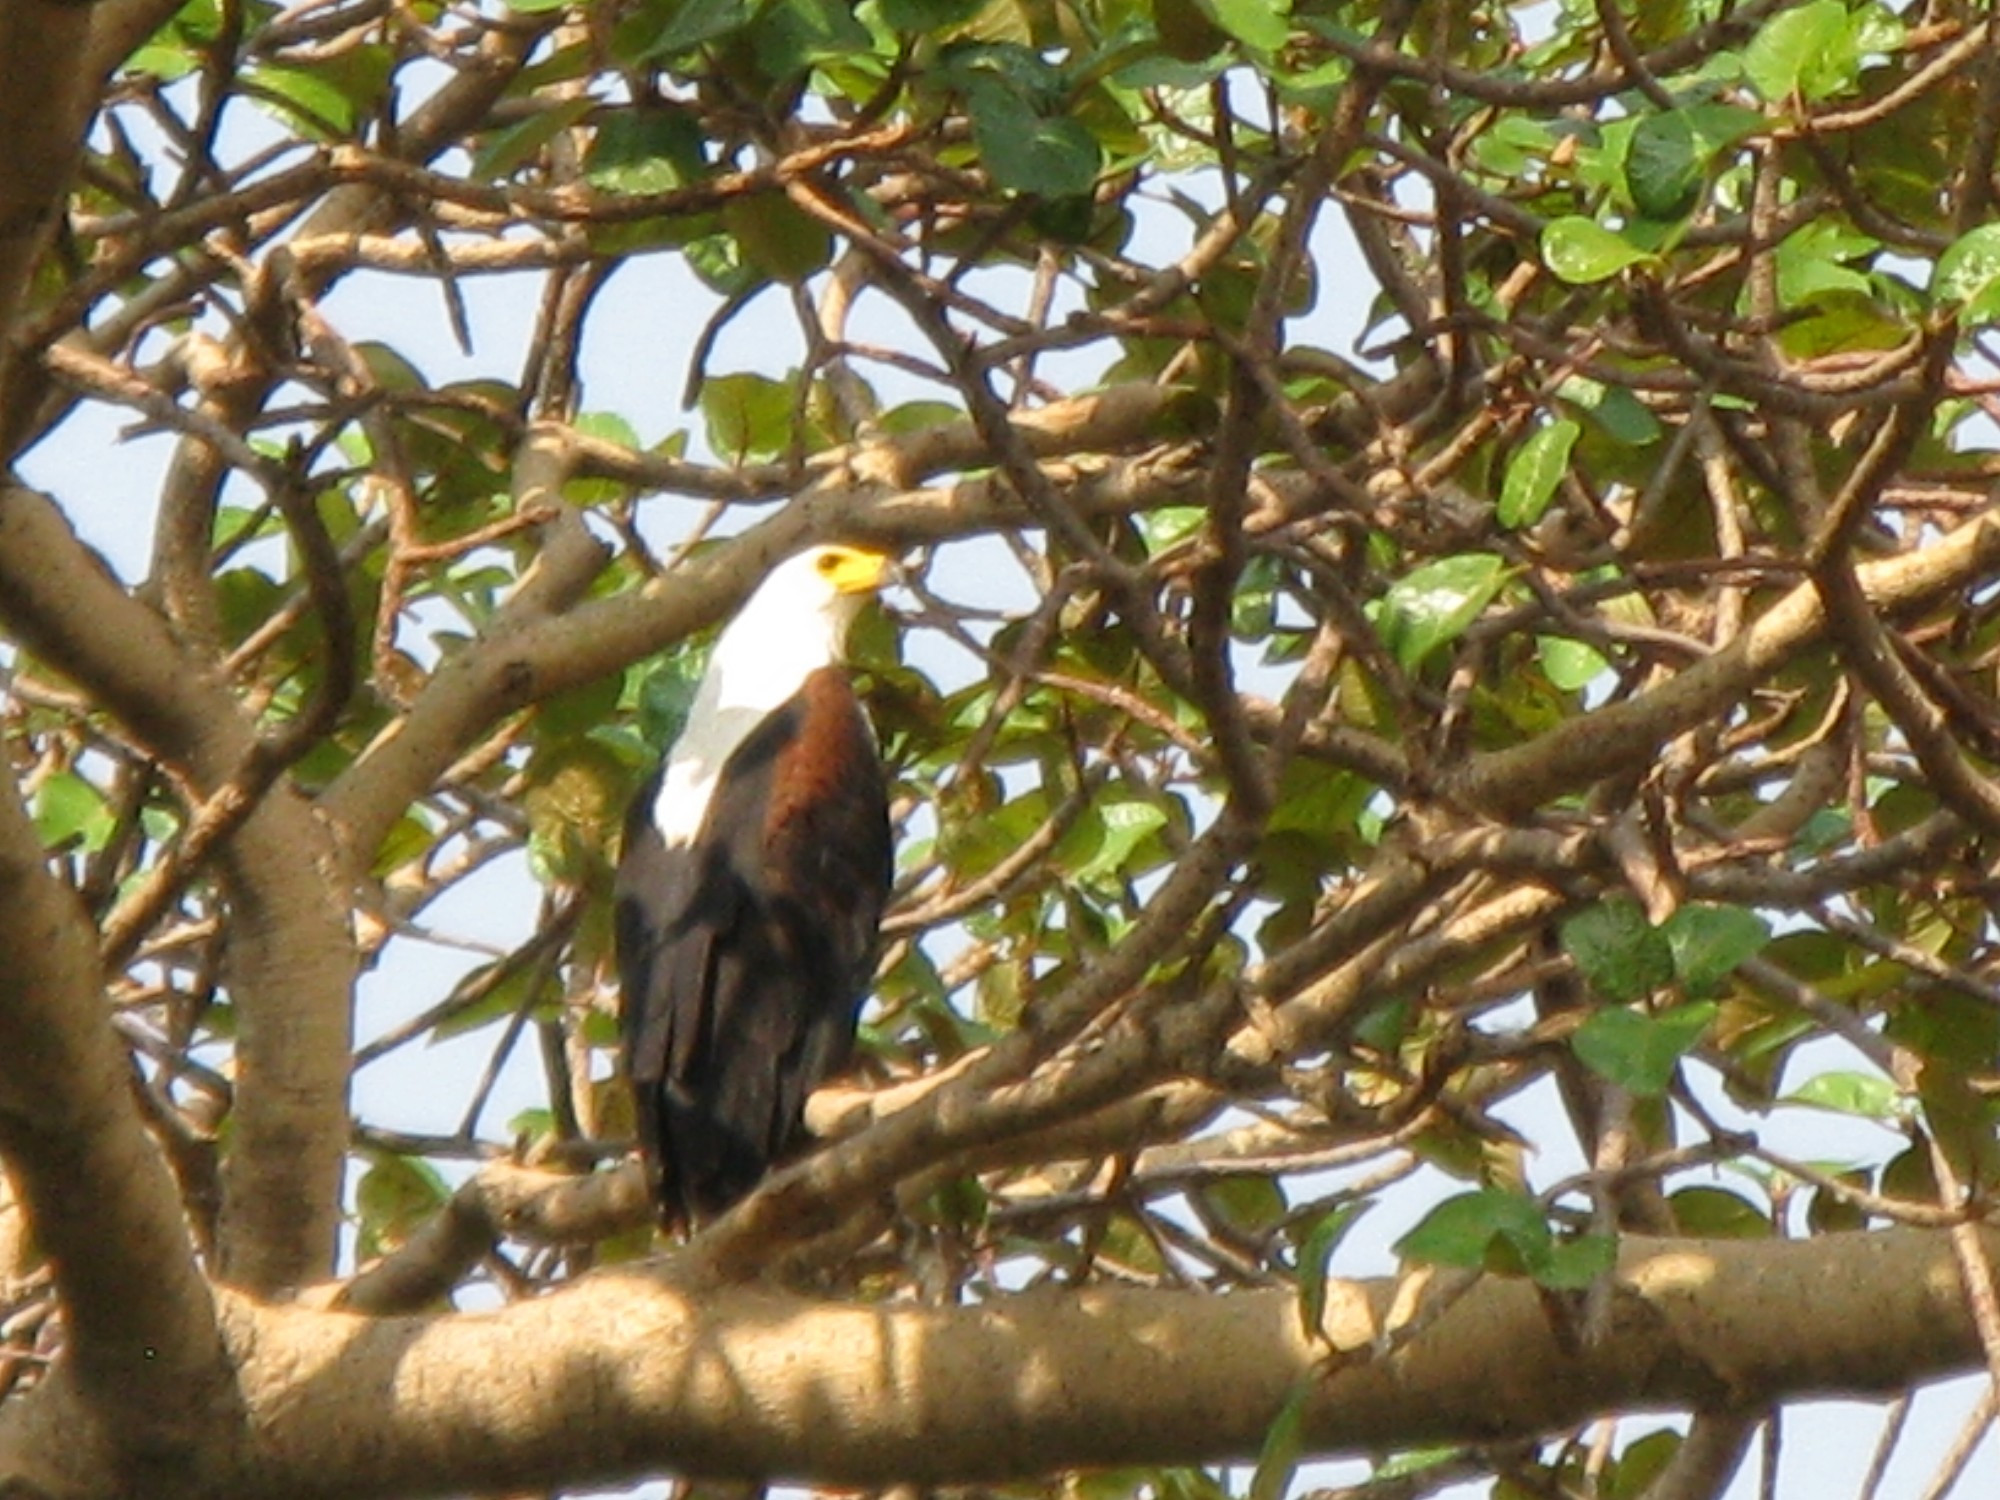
(290,934)
(625,1373)
(144,1358)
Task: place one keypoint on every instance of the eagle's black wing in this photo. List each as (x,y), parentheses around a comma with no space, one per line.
(745,955)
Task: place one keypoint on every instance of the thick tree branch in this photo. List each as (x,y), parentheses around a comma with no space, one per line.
(144,1358)
(47,91)
(625,1373)
(291,929)
(1582,749)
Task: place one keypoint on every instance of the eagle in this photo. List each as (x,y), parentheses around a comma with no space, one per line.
(749,892)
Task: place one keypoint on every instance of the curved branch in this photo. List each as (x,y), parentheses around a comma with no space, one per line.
(1506,783)
(290,937)
(144,1355)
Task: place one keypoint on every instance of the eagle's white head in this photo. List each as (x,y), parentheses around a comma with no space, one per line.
(794,623)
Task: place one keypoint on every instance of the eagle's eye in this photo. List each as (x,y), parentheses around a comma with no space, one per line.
(828,562)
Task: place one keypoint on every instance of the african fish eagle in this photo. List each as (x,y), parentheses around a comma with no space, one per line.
(755,867)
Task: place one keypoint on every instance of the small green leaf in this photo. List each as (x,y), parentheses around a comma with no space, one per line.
(1533,473)
(1122,825)
(394,1196)
(165,61)
(1810,261)
(1466,1229)
(1250,1203)
(1581,251)
(749,415)
(1867,1095)
(313,101)
(1664,166)
(1621,414)
(1709,941)
(1575,1263)
(1258,24)
(644,149)
(928,17)
(793,36)
(1053,155)
(611,428)
(695,22)
(1622,954)
(1639,1052)
(1641,1465)
(1717,1213)
(1808,52)
(1671,152)
(666,689)
(71,813)
(1169,526)
(1316,1262)
(1968,275)
(1569,665)
(1415,1461)
(531,1123)
(1284,1442)
(1432,605)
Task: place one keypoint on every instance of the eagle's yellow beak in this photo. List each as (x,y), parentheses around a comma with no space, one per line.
(854,570)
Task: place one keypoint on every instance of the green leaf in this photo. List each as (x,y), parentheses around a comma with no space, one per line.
(1316,1262)
(1569,665)
(1664,166)
(165,61)
(1534,471)
(1169,526)
(1432,605)
(1284,1443)
(792,36)
(1120,827)
(1810,261)
(695,22)
(1250,1203)
(1709,941)
(71,813)
(1055,156)
(1671,152)
(505,151)
(313,101)
(1614,947)
(409,838)
(1581,251)
(1574,1264)
(644,149)
(1641,1464)
(1414,1461)
(928,17)
(1639,1052)
(393,1197)
(611,428)
(1622,415)
(780,239)
(1968,275)
(1717,1213)
(666,689)
(1808,52)
(749,415)
(1866,1095)
(1488,1228)
(1258,24)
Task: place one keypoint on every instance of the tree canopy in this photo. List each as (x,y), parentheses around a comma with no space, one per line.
(1516,765)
